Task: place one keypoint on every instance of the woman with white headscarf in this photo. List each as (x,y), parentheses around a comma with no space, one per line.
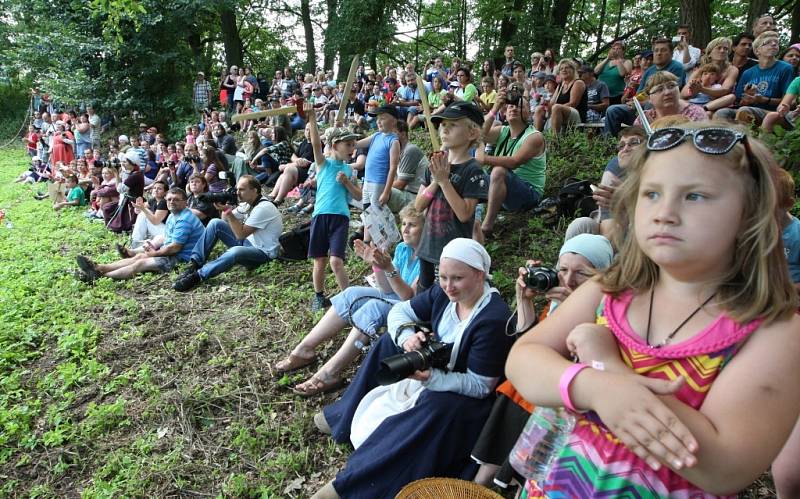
(581,257)
(426,424)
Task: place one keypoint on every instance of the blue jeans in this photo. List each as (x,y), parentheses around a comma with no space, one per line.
(298,123)
(368,315)
(616,115)
(239,251)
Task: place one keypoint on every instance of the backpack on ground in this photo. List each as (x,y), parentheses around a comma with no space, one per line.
(294,243)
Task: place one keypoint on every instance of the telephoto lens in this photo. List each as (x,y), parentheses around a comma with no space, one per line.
(432,354)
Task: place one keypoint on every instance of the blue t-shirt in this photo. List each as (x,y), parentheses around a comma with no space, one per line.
(185,229)
(771,82)
(673,67)
(407,93)
(791,245)
(376,170)
(332,197)
(408,269)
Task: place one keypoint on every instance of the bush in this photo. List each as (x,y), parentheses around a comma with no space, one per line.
(14,104)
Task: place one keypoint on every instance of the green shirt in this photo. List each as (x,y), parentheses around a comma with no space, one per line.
(794,87)
(610,76)
(468,93)
(77,194)
(533,170)
(435,100)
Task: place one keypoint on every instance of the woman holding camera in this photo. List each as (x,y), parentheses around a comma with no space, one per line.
(579,259)
(424,425)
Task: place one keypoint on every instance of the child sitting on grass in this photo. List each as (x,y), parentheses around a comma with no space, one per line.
(453,186)
(75,196)
(331,218)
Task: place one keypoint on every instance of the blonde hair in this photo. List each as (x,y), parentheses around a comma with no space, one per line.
(716,42)
(671,120)
(567,62)
(658,78)
(757,284)
(471,125)
(410,212)
(763,37)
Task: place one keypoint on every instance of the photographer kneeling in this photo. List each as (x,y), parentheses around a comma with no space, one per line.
(249,230)
(424,425)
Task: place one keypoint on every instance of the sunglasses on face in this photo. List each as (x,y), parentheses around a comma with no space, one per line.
(714,141)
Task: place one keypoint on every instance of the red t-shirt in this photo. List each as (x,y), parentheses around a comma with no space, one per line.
(33,138)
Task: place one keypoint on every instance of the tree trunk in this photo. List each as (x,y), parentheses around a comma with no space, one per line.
(230,36)
(601,24)
(555,32)
(621,6)
(329,47)
(757,7)
(308,30)
(795,23)
(697,14)
(508,30)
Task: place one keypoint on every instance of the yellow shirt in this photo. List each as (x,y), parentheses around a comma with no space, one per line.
(489,99)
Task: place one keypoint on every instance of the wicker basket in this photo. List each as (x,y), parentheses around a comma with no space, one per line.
(445,488)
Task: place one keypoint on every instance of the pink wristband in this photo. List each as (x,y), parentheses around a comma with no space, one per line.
(377,269)
(564,382)
(427,193)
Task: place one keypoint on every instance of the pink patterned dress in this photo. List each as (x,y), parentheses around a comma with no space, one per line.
(595,463)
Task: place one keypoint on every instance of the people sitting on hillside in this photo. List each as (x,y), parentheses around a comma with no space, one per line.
(396,429)
(294,172)
(363,307)
(202,208)
(567,107)
(75,194)
(152,216)
(411,168)
(760,88)
(787,112)
(597,95)
(250,230)
(160,254)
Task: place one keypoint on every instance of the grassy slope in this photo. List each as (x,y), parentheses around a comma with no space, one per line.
(129,389)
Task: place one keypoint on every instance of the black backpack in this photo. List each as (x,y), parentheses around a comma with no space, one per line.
(295,242)
(573,200)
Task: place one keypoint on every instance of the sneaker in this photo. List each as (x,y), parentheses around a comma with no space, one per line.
(308,209)
(191,268)
(319,303)
(39,196)
(88,267)
(294,209)
(187,283)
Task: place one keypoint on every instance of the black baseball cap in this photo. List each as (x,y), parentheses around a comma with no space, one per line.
(458,110)
(390,110)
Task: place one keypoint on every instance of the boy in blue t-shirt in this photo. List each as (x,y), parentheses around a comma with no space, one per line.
(331,219)
(380,171)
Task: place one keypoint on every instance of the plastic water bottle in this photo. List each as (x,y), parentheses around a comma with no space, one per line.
(544,437)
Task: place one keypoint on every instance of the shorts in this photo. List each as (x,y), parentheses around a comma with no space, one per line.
(573,119)
(328,234)
(520,195)
(165,263)
(370,192)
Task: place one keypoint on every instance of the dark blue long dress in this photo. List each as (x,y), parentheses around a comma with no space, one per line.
(434,438)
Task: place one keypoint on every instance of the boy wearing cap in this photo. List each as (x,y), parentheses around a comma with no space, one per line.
(331,218)
(452,188)
(380,171)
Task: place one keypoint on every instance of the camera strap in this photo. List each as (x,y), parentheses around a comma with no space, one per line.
(501,148)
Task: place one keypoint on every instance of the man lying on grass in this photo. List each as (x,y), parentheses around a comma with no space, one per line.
(159,254)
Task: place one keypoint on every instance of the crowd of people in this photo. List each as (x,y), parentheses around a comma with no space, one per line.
(692,213)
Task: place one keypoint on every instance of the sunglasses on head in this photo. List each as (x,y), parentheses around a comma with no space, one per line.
(715,141)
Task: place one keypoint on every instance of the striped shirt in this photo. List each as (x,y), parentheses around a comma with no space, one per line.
(186,229)
(201,92)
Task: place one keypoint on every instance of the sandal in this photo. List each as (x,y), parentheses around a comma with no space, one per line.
(317,386)
(293,363)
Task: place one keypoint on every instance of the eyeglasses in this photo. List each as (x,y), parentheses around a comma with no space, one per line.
(664,87)
(714,141)
(631,143)
(770,43)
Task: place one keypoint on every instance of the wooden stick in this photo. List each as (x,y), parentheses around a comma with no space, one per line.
(351,78)
(263,114)
(426,108)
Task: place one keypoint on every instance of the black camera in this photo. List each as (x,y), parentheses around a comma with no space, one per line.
(541,278)
(514,95)
(432,354)
(224,197)
(192,159)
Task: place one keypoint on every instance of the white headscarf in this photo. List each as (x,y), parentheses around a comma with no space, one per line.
(470,252)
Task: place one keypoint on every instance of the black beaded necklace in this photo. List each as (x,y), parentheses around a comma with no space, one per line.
(673,333)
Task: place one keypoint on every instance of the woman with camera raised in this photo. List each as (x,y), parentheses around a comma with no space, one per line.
(426,424)
(579,259)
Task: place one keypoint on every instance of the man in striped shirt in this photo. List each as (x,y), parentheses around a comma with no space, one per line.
(202,92)
(159,254)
